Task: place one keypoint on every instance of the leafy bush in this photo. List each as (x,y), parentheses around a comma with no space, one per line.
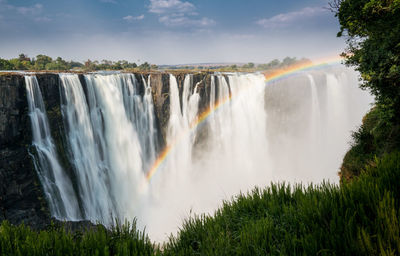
(376,136)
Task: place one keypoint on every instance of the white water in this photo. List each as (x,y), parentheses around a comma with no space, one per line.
(297,129)
(112,137)
(57,186)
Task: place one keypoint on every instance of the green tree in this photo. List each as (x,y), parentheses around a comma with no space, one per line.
(249,65)
(23,57)
(90,65)
(274,63)
(41,62)
(288,61)
(58,64)
(144,66)
(372,30)
(20,64)
(5,65)
(233,67)
(75,64)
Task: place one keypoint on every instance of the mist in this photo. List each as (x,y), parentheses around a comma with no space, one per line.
(296,131)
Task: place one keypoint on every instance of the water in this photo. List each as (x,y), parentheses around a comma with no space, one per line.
(112,139)
(56,184)
(294,130)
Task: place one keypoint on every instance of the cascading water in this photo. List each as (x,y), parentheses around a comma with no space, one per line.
(228,161)
(179,123)
(87,149)
(57,186)
(315,109)
(291,130)
(112,138)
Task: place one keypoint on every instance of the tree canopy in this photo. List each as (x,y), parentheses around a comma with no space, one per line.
(372,29)
(44,62)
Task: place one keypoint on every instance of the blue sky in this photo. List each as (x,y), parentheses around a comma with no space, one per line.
(169,31)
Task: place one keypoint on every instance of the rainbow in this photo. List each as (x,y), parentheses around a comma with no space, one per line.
(269,77)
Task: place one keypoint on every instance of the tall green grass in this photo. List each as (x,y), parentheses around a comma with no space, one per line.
(360,217)
(357,218)
(57,240)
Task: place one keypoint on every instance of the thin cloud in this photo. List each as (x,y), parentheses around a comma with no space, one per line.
(31,10)
(290,18)
(22,10)
(181,21)
(130,18)
(170,6)
(177,13)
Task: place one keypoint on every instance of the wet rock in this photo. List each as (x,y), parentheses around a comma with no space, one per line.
(21,195)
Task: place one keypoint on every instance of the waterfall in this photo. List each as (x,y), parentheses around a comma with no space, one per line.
(180,121)
(294,129)
(87,149)
(57,186)
(315,136)
(112,139)
(315,108)
(340,106)
(234,155)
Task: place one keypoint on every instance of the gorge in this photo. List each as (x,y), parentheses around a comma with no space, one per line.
(106,146)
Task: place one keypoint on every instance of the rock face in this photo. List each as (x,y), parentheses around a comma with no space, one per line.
(21,194)
(160,89)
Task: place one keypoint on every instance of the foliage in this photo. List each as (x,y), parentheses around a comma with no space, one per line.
(43,62)
(356,218)
(375,137)
(249,65)
(372,28)
(5,65)
(286,62)
(120,240)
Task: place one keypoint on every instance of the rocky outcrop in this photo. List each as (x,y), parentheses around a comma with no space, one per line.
(21,195)
(160,89)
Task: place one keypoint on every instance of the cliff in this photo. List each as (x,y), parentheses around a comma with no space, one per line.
(21,194)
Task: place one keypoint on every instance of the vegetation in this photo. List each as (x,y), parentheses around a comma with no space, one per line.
(372,140)
(43,62)
(358,217)
(56,240)
(249,67)
(372,30)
